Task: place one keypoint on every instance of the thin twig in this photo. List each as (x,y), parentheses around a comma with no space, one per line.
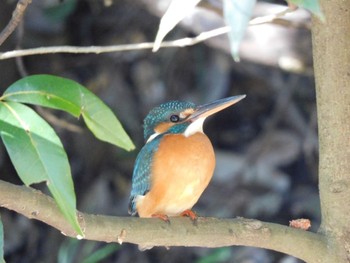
(17,16)
(19,60)
(147,45)
(114,48)
(271,18)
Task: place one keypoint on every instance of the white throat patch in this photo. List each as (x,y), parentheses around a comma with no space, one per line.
(154,135)
(194,127)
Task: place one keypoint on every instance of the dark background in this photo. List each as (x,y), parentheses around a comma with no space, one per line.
(266,145)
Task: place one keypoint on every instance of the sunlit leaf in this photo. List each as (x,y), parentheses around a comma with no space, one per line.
(68,95)
(237,15)
(38,155)
(312,5)
(177,10)
(1,242)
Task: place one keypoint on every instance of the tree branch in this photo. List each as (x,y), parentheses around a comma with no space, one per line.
(15,20)
(208,232)
(331,53)
(183,42)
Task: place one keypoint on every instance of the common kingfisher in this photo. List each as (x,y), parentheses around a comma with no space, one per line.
(177,162)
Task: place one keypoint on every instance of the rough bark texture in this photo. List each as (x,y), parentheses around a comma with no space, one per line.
(331,47)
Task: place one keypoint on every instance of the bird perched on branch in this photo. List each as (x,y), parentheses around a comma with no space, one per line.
(177,162)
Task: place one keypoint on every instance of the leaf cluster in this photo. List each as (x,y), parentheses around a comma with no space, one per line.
(33,146)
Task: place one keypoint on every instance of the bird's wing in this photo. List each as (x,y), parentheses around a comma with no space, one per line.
(141,181)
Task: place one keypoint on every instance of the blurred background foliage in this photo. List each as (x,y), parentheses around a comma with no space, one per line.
(266,146)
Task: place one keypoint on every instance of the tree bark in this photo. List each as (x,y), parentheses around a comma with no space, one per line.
(149,232)
(331,47)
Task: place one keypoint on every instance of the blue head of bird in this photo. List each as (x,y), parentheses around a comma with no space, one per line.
(182,117)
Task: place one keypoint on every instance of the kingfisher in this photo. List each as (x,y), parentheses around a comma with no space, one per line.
(177,162)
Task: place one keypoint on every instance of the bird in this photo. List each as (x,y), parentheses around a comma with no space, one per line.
(177,162)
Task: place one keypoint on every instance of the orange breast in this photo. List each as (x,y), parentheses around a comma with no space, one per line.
(182,169)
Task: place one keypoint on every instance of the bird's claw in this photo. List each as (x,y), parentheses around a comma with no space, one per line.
(165,218)
(189,213)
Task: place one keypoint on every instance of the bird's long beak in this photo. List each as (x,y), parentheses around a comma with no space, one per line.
(206,110)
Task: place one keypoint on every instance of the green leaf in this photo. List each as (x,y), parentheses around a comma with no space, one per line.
(102,253)
(68,250)
(237,15)
(312,5)
(61,11)
(222,254)
(177,10)
(67,95)
(2,260)
(38,155)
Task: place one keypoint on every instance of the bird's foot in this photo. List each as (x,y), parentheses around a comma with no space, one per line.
(165,218)
(189,213)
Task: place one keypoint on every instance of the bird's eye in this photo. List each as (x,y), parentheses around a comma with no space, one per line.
(174,118)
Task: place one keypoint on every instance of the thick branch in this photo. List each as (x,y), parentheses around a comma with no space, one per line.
(332,59)
(208,232)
